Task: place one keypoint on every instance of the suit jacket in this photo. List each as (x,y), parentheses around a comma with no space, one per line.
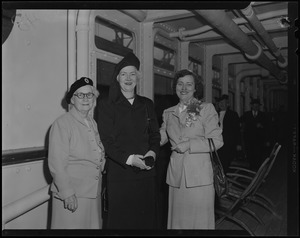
(196,162)
(231,129)
(75,159)
(255,129)
(125,130)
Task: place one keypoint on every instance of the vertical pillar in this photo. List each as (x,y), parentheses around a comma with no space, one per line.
(208,74)
(254,87)
(271,93)
(224,76)
(71,47)
(238,96)
(247,93)
(82,32)
(261,91)
(145,54)
(183,55)
(226,61)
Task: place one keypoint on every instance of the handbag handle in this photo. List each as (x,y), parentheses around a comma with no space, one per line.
(210,141)
(220,181)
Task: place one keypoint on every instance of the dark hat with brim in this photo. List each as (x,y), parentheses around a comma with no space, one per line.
(83,81)
(223,97)
(255,101)
(129,60)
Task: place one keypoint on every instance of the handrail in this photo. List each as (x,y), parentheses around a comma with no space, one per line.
(24,204)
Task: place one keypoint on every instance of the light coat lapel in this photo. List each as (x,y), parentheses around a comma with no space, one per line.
(181,116)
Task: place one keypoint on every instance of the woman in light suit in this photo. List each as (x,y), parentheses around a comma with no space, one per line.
(188,126)
(76,159)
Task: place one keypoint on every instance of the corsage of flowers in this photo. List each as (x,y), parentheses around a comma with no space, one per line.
(193,111)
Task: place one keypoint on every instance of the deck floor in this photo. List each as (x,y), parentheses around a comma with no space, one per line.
(275,189)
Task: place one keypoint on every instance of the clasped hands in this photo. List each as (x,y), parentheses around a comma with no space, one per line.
(138,160)
(181,147)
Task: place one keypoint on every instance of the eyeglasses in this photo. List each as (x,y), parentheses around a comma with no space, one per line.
(82,95)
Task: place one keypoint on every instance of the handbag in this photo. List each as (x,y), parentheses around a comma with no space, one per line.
(220,180)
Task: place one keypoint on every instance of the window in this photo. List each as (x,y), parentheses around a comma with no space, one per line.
(112,38)
(163,94)
(105,72)
(164,57)
(195,66)
(164,67)
(242,86)
(216,78)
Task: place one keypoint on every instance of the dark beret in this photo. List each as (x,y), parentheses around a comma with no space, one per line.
(78,84)
(129,60)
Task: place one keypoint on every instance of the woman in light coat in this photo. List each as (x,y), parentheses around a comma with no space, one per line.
(76,159)
(188,126)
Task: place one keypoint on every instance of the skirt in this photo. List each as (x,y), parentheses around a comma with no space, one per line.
(87,215)
(191,208)
(132,204)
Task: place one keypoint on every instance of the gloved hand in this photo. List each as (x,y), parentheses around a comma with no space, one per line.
(149,158)
(71,203)
(137,161)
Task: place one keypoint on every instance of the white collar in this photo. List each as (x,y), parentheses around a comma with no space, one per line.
(131,100)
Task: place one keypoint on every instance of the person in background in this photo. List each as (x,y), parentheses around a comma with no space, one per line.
(76,159)
(255,128)
(216,104)
(229,121)
(130,134)
(187,126)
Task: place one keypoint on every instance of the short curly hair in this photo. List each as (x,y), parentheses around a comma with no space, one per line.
(197,80)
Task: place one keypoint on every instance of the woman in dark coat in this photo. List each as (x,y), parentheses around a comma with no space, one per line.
(129,131)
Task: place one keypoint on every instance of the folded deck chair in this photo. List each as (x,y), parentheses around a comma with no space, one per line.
(238,199)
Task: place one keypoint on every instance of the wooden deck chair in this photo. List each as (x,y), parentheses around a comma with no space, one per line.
(251,173)
(247,175)
(238,200)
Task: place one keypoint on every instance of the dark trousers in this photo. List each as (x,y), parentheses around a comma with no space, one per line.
(132,204)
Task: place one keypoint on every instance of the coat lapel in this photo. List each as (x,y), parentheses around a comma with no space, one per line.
(181,116)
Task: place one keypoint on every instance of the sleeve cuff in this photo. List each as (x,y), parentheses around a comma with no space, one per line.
(129,160)
(66,193)
(152,153)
